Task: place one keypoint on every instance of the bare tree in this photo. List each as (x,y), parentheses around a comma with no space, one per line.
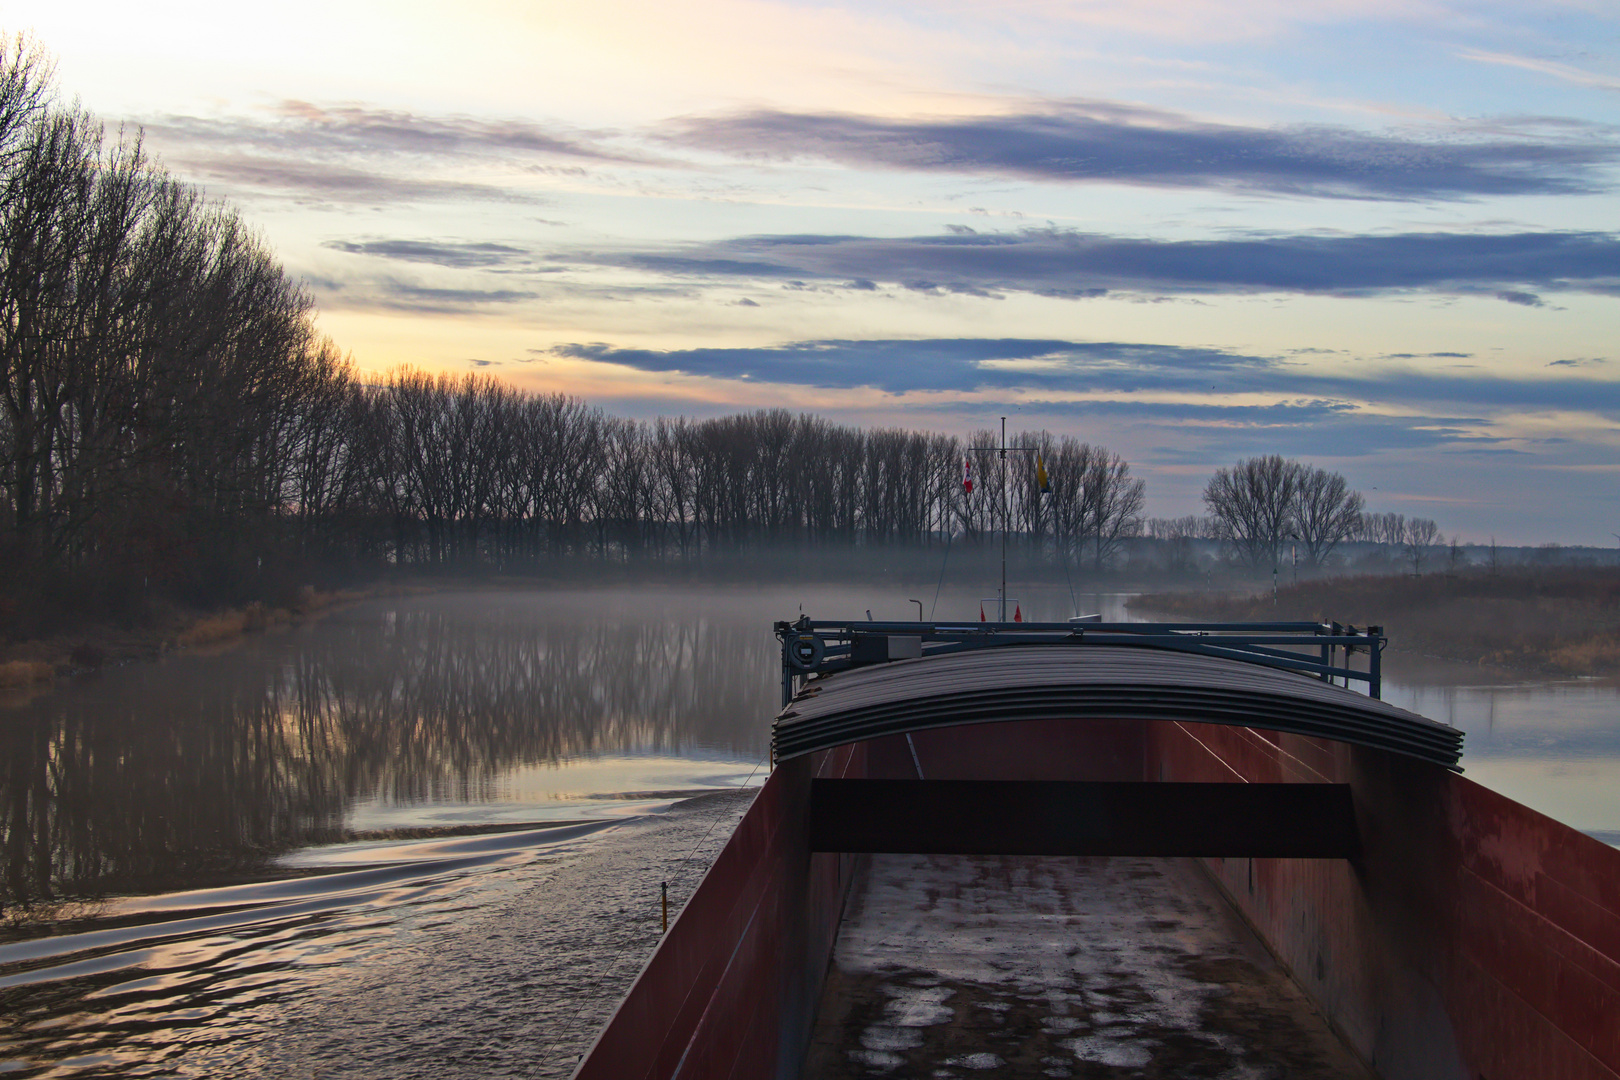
(1386,528)
(1421,535)
(1254,502)
(1325,512)
(25,87)
(1456,558)
(1113,501)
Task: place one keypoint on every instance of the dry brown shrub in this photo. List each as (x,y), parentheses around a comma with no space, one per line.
(214,628)
(255,617)
(1594,656)
(1567,621)
(23,673)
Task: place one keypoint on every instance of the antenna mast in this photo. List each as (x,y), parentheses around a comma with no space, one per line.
(1006,506)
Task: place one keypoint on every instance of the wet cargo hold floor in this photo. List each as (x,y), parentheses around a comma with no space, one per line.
(1013,966)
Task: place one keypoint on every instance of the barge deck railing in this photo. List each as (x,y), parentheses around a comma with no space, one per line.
(821,647)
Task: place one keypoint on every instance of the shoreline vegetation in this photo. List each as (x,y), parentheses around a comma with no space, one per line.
(35,664)
(1559,621)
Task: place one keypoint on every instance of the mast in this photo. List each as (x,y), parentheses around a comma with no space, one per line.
(1006,507)
(1006,518)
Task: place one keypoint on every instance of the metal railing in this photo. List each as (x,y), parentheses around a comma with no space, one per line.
(812,647)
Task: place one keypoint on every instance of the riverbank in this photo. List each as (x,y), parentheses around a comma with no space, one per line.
(34,664)
(1562,621)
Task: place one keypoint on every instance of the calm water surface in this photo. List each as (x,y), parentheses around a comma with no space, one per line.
(425,836)
(1553,745)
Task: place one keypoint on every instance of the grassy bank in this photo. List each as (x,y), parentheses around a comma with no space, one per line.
(34,664)
(1562,621)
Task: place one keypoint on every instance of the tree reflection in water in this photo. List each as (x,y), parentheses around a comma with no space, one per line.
(200,769)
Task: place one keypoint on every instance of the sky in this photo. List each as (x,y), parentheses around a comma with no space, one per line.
(1381,237)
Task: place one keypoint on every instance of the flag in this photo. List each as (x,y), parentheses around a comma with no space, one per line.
(981,611)
(967,476)
(1018,613)
(1040,476)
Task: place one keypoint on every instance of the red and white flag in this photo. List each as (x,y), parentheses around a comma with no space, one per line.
(1018,613)
(967,476)
(981,613)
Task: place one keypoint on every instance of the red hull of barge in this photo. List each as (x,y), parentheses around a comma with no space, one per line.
(1474,938)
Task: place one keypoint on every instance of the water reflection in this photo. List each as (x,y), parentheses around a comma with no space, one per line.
(476,708)
(205,767)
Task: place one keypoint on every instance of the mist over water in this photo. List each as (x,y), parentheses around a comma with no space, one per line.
(424,835)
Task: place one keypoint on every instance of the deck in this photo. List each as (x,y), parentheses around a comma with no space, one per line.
(1017,966)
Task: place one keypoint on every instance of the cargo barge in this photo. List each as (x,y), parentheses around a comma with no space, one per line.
(1125,850)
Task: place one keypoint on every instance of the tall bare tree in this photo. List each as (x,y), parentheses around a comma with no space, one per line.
(1325,513)
(1421,536)
(1254,502)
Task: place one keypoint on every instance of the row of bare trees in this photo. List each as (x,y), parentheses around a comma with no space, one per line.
(454,470)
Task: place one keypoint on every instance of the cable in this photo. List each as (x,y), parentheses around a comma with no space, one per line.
(716,821)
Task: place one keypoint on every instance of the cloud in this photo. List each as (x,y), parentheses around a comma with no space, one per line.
(1307,429)
(1106,142)
(1565,72)
(329,182)
(361,154)
(1065,263)
(299,128)
(456,254)
(1120,369)
(902,366)
(393,295)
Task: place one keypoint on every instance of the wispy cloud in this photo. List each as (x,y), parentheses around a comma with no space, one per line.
(362,154)
(451,253)
(1061,263)
(1097,141)
(1308,429)
(328,182)
(390,294)
(1564,72)
(899,366)
(303,129)
(1139,388)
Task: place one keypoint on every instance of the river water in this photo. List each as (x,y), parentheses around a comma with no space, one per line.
(428,835)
